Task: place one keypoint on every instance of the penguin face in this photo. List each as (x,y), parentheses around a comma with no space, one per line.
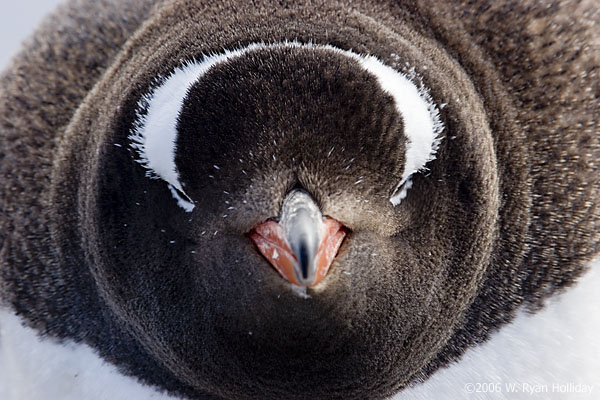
(214,147)
(247,129)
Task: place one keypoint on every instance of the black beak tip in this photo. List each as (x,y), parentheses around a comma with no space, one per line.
(304,261)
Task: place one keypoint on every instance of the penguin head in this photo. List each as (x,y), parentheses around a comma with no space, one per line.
(280,219)
(283,168)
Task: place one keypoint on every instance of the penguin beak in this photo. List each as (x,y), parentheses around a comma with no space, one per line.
(303,244)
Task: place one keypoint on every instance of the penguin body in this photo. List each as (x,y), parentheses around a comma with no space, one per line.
(134,245)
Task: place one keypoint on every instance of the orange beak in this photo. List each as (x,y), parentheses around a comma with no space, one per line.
(303,244)
(269,238)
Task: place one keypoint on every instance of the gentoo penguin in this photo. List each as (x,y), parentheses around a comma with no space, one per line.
(301,199)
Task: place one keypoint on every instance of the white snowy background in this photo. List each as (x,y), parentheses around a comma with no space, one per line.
(18,19)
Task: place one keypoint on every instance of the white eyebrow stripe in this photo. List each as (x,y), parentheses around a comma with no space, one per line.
(154,136)
(421,118)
